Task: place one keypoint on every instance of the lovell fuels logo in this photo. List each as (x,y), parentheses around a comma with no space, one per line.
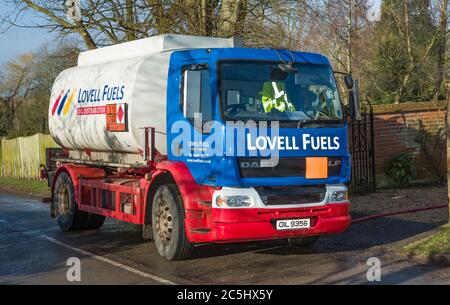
(116,113)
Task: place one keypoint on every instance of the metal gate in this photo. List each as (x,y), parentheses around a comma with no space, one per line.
(361,141)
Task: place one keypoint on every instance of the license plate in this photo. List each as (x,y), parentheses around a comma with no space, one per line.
(293,224)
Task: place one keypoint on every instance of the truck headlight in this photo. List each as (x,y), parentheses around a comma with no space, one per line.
(233,201)
(339,196)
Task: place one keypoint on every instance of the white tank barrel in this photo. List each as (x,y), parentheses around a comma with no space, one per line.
(102,104)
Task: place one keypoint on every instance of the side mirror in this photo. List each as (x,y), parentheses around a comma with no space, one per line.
(348,80)
(354,102)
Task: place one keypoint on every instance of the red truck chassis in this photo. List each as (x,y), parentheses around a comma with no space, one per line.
(128,196)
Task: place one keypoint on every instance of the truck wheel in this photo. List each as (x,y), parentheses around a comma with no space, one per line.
(94,221)
(168,224)
(301,242)
(68,216)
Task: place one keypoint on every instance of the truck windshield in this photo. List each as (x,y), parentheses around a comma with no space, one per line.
(267,91)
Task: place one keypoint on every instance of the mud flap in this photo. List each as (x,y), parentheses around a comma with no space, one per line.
(147,232)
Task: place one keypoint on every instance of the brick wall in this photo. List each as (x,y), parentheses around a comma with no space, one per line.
(396,127)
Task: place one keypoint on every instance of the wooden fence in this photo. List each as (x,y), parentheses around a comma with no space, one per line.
(21,157)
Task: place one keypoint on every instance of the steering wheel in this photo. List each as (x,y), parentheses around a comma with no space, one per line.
(235,107)
(319,112)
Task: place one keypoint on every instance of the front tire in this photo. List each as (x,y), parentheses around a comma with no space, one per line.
(169,232)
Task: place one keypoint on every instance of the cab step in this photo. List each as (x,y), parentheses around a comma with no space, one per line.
(201,230)
(205,203)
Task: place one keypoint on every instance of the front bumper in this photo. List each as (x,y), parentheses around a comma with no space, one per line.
(252,224)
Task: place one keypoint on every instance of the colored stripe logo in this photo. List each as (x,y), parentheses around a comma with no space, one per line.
(55,105)
(63,102)
(66,108)
(61,105)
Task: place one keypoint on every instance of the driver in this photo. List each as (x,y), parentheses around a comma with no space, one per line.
(274,96)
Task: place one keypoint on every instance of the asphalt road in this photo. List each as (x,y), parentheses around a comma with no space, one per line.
(34,251)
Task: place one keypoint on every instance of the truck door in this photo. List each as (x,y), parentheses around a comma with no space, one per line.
(193,109)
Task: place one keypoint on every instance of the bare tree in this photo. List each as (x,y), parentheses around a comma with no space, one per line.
(105,22)
(51,59)
(414,61)
(442,37)
(16,84)
(335,27)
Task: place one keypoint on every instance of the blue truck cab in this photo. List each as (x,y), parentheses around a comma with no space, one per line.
(266,128)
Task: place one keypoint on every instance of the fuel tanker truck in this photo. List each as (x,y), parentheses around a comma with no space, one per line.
(200,140)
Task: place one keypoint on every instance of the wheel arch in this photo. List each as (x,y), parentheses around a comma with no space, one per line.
(177,173)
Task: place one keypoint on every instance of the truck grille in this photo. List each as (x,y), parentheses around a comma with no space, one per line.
(286,167)
(291,195)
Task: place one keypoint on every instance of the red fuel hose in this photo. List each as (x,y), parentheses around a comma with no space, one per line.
(370,217)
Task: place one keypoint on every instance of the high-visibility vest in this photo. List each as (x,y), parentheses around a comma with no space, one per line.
(274,96)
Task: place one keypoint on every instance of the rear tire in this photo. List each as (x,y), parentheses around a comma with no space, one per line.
(169,232)
(94,221)
(302,242)
(68,216)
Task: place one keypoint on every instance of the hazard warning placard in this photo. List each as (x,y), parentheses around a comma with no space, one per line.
(117,117)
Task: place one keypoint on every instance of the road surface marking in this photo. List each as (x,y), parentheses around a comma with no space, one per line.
(109,261)
(269,249)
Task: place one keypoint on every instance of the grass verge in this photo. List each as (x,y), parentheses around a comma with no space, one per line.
(436,244)
(25,186)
